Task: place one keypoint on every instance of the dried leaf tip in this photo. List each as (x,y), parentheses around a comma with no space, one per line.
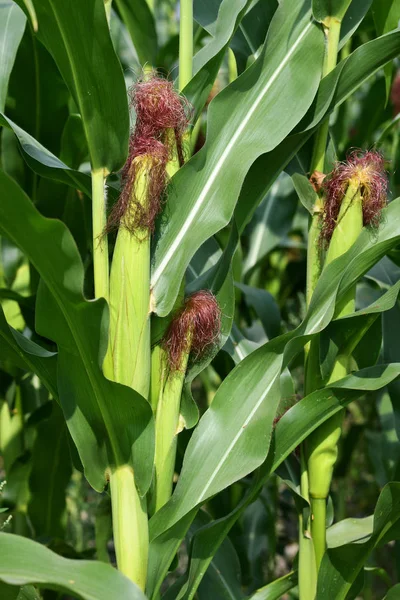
(365,169)
(194,329)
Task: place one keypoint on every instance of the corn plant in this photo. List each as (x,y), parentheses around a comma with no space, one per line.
(199,286)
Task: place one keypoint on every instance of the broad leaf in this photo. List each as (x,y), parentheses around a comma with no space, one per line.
(109,423)
(349,531)
(50,474)
(323,9)
(92,72)
(24,561)
(140,23)
(333,90)
(253,392)
(44,162)
(28,355)
(341,566)
(234,451)
(205,190)
(276,589)
(207,61)
(12,26)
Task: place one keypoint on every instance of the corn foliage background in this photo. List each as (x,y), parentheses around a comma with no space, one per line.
(236,223)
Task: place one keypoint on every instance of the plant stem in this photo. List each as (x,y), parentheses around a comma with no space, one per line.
(131,537)
(318,528)
(307,567)
(307,560)
(185,43)
(100,241)
(332,32)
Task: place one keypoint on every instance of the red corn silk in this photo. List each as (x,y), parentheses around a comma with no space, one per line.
(160,110)
(366,167)
(193,330)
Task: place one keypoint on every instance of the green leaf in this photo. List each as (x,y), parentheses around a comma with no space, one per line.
(265,308)
(109,423)
(50,474)
(24,561)
(305,191)
(352,19)
(341,566)
(255,102)
(28,592)
(333,90)
(141,26)
(12,26)
(349,531)
(92,72)
(323,9)
(393,593)
(207,61)
(271,221)
(252,31)
(295,426)
(44,162)
(386,15)
(276,589)
(28,355)
(222,578)
(230,432)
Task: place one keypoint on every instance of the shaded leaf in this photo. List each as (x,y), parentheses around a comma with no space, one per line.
(141,26)
(24,561)
(341,566)
(12,26)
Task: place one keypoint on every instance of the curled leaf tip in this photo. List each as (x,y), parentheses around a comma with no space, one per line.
(194,329)
(365,169)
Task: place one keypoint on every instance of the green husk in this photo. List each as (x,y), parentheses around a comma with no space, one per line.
(167,429)
(128,359)
(128,362)
(322,445)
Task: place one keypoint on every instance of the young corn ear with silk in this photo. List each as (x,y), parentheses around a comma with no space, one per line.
(198,376)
